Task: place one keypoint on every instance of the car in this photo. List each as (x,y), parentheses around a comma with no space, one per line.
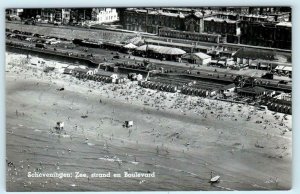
(283,82)
(44,21)
(39,45)
(268,76)
(56,23)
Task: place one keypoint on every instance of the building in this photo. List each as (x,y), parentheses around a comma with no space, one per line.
(228,89)
(160,52)
(83,15)
(283,35)
(267,34)
(284,96)
(280,103)
(68,71)
(234,27)
(248,55)
(111,77)
(238,10)
(228,24)
(197,58)
(151,20)
(14,12)
(30,13)
(229,29)
(253,92)
(189,48)
(48,15)
(65,16)
(269,10)
(56,15)
(209,24)
(80,15)
(79,71)
(104,15)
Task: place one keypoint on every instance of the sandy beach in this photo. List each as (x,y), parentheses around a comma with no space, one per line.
(178,137)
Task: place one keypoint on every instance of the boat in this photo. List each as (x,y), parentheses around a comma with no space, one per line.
(214,179)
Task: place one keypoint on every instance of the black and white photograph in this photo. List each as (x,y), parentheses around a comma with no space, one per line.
(148,98)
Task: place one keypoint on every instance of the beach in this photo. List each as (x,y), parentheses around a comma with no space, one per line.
(181,138)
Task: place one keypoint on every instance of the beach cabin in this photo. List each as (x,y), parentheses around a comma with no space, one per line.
(253,92)
(228,89)
(128,124)
(107,76)
(114,77)
(78,70)
(92,71)
(132,76)
(120,80)
(59,125)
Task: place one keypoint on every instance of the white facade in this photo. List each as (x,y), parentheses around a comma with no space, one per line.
(65,15)
(139,77)
(58,15)
(47,15)
(104,15)
(14,12)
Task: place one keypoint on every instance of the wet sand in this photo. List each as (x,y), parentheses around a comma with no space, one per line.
(180,138)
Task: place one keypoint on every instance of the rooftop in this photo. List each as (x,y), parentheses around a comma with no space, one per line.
(252,90)
(215,19)
(81,70)
(157,12)
(286,24)
(104,73)
(176,44)
(228,86)
(198,55)
(161,49)
(254,54)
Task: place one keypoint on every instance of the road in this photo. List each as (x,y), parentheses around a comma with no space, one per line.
(100,54)
(147,35)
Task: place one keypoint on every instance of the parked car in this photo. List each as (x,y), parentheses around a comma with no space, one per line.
(283,82)
(57,23)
